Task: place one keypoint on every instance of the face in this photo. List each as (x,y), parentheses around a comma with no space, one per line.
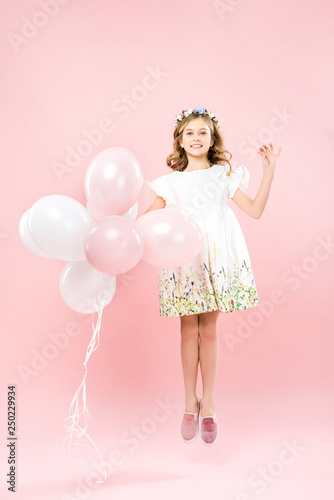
(196,138)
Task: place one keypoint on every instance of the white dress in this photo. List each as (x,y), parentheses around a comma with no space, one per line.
(221,275)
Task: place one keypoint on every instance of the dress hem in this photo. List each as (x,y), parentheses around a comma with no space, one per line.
(211,310)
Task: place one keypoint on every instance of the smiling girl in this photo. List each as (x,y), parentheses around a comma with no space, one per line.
(220,278)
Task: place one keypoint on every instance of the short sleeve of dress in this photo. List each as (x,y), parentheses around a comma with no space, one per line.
(162,187)
(238,180)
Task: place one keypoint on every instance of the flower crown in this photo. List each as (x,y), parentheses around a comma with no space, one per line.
(201,111)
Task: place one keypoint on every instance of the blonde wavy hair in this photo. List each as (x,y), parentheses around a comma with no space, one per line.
(217,153)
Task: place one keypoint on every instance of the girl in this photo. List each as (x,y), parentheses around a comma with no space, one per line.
(220,278)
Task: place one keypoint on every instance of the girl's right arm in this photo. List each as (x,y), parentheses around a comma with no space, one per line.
(158,203)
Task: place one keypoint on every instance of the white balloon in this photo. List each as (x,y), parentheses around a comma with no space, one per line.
(26,236)
(132,212)
(129,214)
(58,225)
(86,289)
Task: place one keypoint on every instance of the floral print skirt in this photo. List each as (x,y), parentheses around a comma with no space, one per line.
(205,285)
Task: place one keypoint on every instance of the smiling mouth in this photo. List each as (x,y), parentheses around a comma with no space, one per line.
(196,146)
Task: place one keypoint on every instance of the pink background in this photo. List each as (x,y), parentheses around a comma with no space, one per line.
(251,63)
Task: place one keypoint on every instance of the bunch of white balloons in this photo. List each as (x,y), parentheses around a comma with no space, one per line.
(106,238)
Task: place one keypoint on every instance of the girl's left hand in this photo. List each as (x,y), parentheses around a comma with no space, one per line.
(269,157)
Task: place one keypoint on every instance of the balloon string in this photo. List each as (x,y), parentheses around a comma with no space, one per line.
(74,427)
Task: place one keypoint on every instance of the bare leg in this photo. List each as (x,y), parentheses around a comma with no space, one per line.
(208,353)
(190,359)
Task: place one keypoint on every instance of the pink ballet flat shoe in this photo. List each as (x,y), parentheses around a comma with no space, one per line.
(190,424)
(209,429)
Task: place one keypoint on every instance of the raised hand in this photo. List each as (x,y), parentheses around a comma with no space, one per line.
(269,157)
